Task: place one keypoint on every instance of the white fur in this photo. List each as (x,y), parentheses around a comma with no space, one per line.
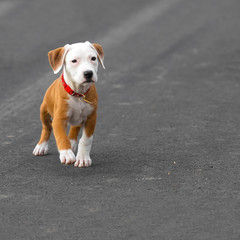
(41,149)
(84,147)
(78,111)
(74,72)
(67,156)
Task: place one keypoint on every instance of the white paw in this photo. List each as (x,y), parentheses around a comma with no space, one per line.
(83,162)
(67,156)
(73,145)
(41,149)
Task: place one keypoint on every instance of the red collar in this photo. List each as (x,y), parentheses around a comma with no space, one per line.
(70,91)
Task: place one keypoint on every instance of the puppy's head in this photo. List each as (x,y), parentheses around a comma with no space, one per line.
(79,60)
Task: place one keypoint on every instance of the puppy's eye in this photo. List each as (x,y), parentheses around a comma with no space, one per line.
(74,60)
(93,58)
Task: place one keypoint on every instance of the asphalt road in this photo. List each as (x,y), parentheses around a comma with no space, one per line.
(166,147)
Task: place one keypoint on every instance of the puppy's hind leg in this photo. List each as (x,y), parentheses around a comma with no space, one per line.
(42,146)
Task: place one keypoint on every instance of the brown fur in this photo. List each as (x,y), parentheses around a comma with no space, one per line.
(55,57)
(55,105)
(99,49)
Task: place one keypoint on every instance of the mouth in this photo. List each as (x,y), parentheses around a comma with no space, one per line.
(87,81)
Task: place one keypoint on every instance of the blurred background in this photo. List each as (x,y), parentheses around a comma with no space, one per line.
(166,147)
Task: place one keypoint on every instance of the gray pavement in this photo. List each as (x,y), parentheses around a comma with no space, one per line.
(166,147)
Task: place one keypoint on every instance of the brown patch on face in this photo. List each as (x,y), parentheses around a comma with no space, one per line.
(55,58)
(99,49)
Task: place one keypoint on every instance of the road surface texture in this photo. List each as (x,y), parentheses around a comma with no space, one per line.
(166,151)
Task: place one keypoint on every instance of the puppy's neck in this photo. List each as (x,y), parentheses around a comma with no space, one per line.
(76,87)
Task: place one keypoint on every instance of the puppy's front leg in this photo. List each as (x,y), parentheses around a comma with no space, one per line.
(84,147)
(73,136)
(63,143)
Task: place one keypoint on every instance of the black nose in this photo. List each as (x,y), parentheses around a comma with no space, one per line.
(88,75)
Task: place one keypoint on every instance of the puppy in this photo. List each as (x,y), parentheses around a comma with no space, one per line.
(72,98)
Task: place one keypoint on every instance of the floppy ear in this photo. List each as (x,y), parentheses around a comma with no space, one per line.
(100,53)
(56,58)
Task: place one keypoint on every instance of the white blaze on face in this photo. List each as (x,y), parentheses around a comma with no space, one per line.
(80,58)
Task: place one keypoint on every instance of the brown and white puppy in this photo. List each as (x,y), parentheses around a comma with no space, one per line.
(72,98)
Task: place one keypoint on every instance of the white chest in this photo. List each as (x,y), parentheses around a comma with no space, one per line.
(78,111)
